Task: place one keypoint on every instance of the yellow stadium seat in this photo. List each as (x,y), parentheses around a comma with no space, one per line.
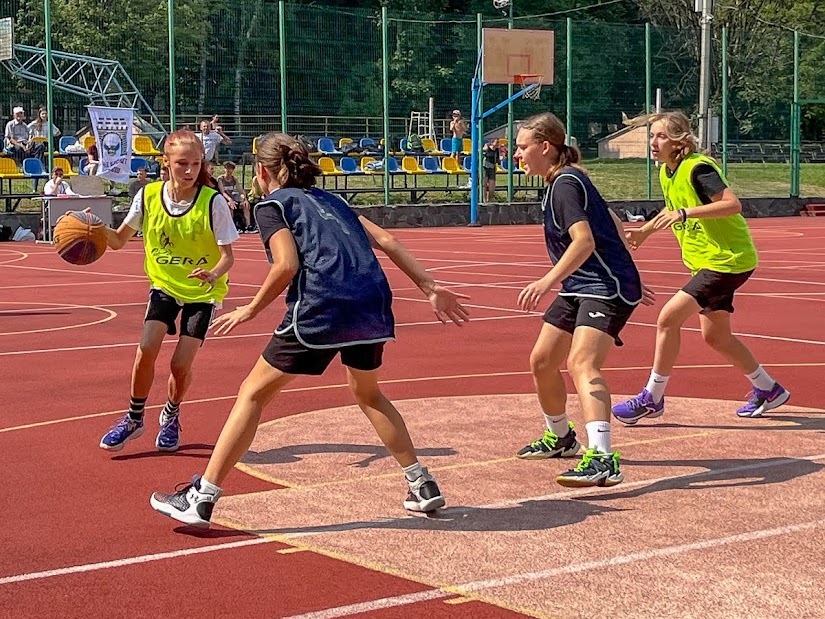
(343,141)
(142,145)
(8,169)
(62,162)
(254,146)
(467,146)
(328,167)
(429,145)
(364,162)
(88,141)
(450,165)
(410,166)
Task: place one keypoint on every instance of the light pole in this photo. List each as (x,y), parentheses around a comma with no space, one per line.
(172,95)
(706,8)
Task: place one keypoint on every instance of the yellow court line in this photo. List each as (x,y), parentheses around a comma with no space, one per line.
(458,600)
(290,551)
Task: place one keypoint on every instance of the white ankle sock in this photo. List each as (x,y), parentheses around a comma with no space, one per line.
(208,487)
(656,386)
(598,436)
(413,472)
(761,379)
(557,424)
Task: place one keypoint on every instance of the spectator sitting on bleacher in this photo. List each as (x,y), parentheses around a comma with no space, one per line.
(92,160)
(139,183)
(164,174)
(235,197)
(17,142)
(56,186)
(39,127)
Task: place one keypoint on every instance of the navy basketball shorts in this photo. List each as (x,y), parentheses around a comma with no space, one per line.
(609,316)
(286,353)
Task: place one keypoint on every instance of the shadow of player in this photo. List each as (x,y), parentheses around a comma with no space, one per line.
(295,453)
(718,474)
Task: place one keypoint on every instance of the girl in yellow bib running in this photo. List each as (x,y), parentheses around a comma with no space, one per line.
(706,217)
(188,234)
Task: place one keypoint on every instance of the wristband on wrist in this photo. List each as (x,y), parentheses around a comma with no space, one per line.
(683,214)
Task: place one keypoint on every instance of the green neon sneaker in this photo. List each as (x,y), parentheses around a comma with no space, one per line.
(551,446)
(595,469)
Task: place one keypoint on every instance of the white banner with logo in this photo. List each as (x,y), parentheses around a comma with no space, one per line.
(112,127)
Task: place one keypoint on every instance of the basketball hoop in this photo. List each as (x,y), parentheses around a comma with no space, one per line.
(524,80)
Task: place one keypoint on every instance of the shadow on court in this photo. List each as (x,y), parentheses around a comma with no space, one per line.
(538,515)
(184,451)
(295,453)
(719,474)
(815,422)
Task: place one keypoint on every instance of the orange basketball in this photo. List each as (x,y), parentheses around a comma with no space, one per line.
(80,238)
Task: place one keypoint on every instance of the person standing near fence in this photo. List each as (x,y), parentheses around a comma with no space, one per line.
(705,215)
(600,288)
(457,128)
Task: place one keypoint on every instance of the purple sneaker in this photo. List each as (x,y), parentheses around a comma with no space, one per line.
(169,435)
(630,411)
(125,430)
(763,401)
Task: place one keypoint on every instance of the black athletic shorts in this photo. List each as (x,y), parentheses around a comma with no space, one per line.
(286,353)
(610,317)
(713,290)
(195,318)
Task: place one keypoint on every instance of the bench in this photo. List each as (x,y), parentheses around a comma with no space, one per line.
(813,210)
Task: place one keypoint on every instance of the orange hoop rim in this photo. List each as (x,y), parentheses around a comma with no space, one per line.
(521,79)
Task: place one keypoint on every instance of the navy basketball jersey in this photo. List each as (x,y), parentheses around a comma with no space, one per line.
(609,272)
(340,295)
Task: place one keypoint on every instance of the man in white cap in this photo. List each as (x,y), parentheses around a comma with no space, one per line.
(458,128)
(16,142)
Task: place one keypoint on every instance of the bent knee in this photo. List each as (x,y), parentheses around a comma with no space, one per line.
(717,338)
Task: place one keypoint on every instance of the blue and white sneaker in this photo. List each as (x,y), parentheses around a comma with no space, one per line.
(763,401)
(169,435)
(630,411)
(126,430)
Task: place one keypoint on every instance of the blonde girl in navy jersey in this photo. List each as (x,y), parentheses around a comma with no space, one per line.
(338,302)
(600,288)
(188,234)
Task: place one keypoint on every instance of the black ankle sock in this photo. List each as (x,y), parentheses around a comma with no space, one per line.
(171,409)
(136,406)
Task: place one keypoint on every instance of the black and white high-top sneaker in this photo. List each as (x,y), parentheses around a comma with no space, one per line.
(188,504)
(424,495)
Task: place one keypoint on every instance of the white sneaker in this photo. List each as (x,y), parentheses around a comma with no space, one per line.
(188,505)
(424,495)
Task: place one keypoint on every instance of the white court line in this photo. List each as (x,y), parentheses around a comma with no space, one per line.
(481,585)
(477,585)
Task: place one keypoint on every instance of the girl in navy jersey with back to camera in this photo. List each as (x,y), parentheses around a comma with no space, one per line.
(600,288)
(338,302)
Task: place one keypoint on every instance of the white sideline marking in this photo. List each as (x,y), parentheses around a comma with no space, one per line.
(472,586)
(91,567)
(480,585)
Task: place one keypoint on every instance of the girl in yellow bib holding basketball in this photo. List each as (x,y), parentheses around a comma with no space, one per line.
(706,217)
(188,234)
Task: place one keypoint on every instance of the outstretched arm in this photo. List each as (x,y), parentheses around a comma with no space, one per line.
(444,302)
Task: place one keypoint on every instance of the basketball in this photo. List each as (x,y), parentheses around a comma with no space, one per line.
(79,237)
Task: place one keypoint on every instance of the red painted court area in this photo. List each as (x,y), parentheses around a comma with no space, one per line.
(718,517)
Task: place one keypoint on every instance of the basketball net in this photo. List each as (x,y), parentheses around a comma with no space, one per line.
(525,80)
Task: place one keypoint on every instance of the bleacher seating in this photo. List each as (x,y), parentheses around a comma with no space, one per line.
(65,164)
(33,168)
(64,143)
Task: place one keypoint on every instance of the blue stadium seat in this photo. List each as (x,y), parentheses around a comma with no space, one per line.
(348,165)
(33,168)
(327,147)
(84,161)
(431,165)
(138,162)
(367,142)
(446,145)
(65,142)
